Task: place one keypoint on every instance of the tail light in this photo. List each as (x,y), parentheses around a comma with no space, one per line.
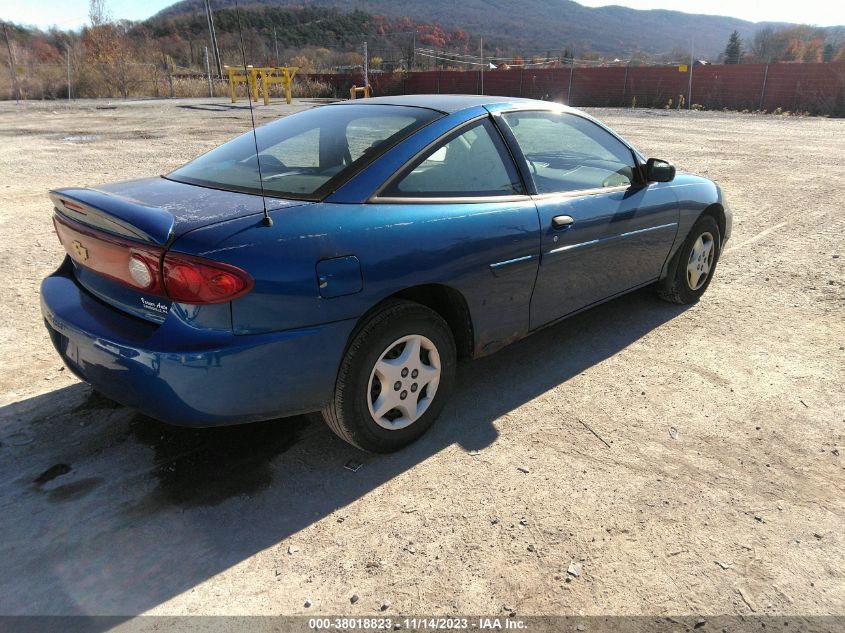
(194,280)
(182,278)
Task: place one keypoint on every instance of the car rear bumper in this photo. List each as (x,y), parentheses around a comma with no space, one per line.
(183,375)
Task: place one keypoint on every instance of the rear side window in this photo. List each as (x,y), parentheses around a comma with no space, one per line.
(569,153)
(472,162)
(306,154)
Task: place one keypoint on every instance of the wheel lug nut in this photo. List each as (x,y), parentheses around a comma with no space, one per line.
(397,386)
(404,372)
(414,388)
(415,373)
(403,395)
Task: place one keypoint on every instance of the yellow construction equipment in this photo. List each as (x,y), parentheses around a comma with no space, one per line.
(354,91)
(277,75)
(265,75)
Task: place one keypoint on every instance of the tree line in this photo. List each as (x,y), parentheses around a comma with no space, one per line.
(109,57)
(166,55)
(800,43)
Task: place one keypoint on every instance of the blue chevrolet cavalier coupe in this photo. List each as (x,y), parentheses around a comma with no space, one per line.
(393,237)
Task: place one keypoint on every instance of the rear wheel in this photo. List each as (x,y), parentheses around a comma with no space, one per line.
(695,263)
(395,378)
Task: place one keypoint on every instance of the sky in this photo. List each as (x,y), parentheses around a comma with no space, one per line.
(71,14)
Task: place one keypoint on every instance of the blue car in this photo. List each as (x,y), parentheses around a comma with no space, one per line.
(367,246)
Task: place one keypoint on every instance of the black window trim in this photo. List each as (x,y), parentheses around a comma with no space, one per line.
(522,163)
(377,198)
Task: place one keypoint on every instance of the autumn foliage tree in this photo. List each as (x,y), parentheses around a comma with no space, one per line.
(793,44)
(110,52)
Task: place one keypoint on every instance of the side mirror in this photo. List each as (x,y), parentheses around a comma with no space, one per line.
(657,170)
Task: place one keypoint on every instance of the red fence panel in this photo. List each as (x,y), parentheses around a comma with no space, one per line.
(599,86)
(815,88)
(654,86)
(736,87)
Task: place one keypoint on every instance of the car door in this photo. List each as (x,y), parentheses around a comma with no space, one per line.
(458,215)
(603,231)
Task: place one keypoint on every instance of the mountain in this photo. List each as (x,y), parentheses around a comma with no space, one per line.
(537,26)
(312,37)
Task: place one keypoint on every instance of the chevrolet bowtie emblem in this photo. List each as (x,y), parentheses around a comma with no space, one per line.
(80,250)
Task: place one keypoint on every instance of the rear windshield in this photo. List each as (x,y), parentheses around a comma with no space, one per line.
(306,154)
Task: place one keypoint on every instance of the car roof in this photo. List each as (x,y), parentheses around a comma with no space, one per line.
(452,103)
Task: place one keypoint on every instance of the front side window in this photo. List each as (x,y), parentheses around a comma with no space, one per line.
(472,162)
(566,152)
(305,154)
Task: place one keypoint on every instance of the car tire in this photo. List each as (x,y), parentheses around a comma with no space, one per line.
(403,355)
(694,265)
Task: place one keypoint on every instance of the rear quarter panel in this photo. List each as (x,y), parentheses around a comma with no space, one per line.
(398,246)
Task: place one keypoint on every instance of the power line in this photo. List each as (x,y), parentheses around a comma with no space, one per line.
(532,61)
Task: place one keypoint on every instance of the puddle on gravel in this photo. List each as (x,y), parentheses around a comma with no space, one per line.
(82,138)
(64,492)
(19,438)
(87,137)
(73,490)
(57,470)
(204,467)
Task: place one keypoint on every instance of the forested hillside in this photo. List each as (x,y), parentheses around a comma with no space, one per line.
(539,25)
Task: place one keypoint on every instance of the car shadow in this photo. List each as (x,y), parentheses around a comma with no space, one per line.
(108,512)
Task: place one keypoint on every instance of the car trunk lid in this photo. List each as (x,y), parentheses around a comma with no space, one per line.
(104,229)
(157,210)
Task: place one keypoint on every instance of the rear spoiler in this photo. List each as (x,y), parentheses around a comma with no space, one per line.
(114,214)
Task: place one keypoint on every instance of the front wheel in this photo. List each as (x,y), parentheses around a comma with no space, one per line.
(695,263)
(395,378)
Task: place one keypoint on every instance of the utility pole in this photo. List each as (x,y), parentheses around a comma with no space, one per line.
(481,52)
(414,58)
(208,74)
(276,44)
(763,89)
(213,37)
(691,66)
(625,83)
(12,66)
(67,51)
(366,66)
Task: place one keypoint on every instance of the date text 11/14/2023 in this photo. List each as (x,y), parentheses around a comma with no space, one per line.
(417,624)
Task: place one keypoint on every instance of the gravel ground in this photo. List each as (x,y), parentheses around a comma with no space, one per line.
(720,489)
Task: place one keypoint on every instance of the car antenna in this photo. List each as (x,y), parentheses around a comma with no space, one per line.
(267,221)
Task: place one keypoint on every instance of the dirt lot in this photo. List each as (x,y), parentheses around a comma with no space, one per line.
(721,489)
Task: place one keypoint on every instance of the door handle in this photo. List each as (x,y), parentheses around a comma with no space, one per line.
(560,222)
